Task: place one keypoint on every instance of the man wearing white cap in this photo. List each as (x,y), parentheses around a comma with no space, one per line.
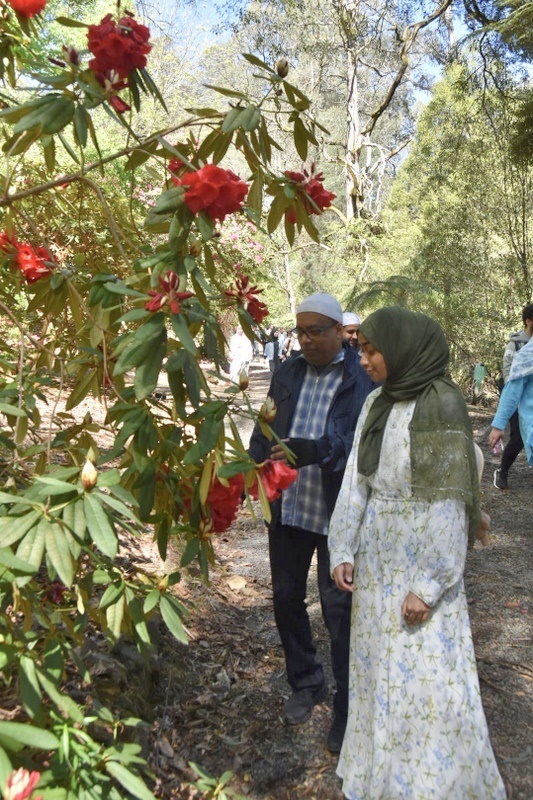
(350,326)
(319,395)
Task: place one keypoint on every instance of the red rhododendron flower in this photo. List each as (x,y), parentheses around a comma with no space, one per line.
(216,191)
(27,8)
(31,262)
(120,46)
(224,501)
(275,477)
(174,167)
(7,243)
(310,191)
(246,296)
(20,785)
(168,294)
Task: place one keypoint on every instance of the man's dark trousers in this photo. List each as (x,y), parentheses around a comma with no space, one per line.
(291,551)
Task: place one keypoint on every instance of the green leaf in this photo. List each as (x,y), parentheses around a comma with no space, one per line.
(68,22)
(30,690)
(115,615)
(31,548)
(226,92)
(6,768)
(12,411)
(131,782)
(100,529)
(277,209)
(233,468)
(190,552)
(27,736)
(13,528)
(182,332)
(151,600)
(138,346)
(257,62)
(81,127)
(138,619)
(59,553)
(62,700)
(300,138)
(111,595)
(207,439)
(172,619)
(147,373)
(13,563)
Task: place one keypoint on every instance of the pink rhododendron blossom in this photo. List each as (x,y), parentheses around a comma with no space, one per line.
(20,785)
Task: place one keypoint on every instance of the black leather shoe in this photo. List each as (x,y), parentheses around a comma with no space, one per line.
(336,735)
(300,704)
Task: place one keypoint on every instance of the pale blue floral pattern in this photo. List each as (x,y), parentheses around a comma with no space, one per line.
(416,727)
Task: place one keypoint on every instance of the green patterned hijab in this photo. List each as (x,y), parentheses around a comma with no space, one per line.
(443,461)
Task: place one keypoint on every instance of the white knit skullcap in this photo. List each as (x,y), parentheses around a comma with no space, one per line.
(321,303)
(348,318)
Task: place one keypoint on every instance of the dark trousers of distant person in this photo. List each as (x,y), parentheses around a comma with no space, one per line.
(513,446)
(291,551)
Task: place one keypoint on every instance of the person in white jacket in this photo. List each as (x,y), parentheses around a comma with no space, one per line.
(240,354)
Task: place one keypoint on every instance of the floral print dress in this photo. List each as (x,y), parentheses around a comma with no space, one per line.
(416,727)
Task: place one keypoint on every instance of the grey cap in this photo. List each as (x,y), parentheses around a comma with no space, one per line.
(321,303)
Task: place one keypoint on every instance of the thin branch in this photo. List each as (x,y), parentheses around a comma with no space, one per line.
(7,200)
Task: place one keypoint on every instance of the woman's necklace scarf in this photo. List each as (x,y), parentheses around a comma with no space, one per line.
(443,461)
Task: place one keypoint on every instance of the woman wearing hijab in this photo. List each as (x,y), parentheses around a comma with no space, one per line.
(517,394)
(408,506)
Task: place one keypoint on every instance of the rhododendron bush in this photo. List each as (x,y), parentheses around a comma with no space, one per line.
(99,304)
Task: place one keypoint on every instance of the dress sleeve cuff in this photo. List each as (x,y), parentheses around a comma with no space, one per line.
(429,591)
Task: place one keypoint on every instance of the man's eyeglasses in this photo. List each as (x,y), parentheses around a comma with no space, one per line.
(312,332)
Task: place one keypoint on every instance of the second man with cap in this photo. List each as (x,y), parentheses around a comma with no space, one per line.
(319,395)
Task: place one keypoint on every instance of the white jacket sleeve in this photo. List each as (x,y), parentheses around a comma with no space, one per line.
(441,552)
(343,536)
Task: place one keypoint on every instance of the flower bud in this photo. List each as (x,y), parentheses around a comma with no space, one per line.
(88,418)
(282,67)
(268,410)
(243,380)
(89,476)
(71,55)
(91,455)
(195,248)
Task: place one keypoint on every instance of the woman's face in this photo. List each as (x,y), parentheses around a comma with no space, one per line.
(372,360)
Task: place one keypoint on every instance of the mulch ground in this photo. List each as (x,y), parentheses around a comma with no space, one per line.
(219,699)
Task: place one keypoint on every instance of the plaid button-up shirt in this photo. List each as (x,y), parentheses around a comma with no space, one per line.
(303,503)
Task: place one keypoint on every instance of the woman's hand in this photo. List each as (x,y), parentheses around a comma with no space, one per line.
(414,610)
(494,436)
(343,577)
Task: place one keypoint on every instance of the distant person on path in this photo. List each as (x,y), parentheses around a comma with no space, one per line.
(517,395)
(319,394)
(350,327)
(515,443)
(291,346)
(408,505)
(240,354)
(272,350)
